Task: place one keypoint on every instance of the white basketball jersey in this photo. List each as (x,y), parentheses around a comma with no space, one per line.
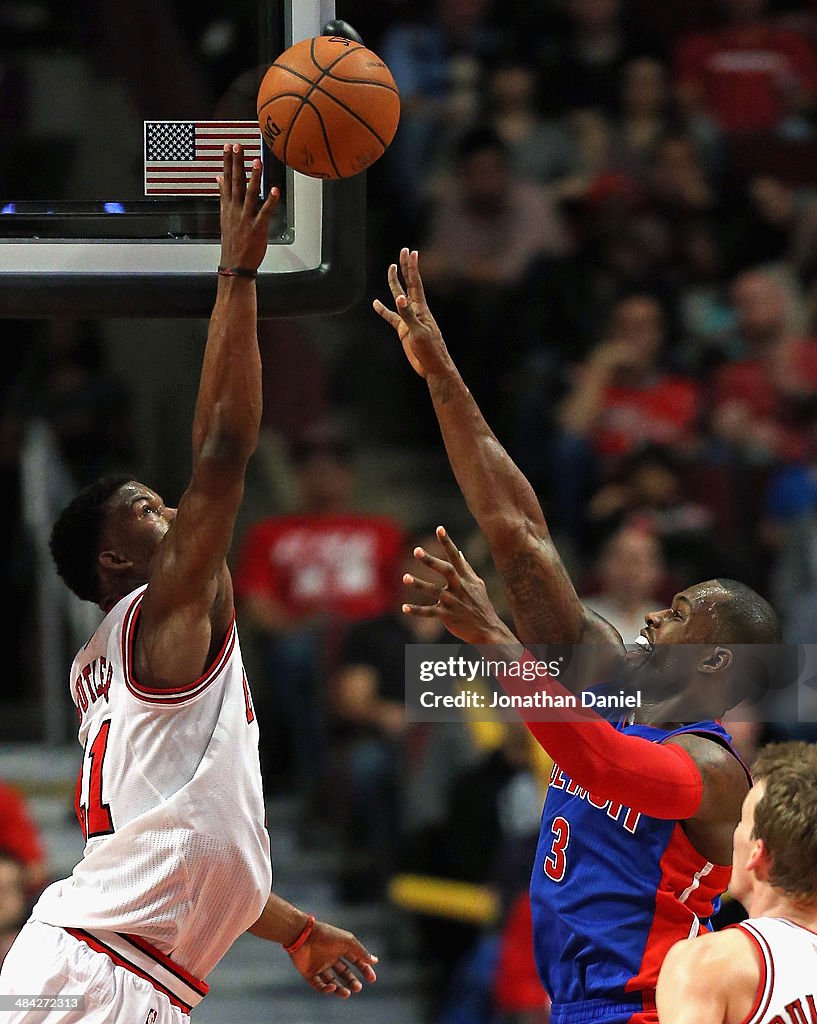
(171,804)
(787,993)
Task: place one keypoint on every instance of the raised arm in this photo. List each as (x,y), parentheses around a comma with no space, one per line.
(543,600)
(188,606)
(688,778)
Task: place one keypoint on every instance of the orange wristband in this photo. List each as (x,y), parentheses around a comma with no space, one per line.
(307,931)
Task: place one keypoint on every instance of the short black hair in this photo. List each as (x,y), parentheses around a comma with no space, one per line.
(75,536)
(747,618)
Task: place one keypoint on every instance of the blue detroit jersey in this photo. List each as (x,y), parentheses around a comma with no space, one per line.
(611,891)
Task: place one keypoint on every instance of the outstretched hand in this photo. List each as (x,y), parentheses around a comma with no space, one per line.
(244,227)
(416,327)
(333,961)
(461,600)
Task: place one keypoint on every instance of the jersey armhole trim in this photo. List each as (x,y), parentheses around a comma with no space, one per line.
(716,737)
(170,696)
(765,985)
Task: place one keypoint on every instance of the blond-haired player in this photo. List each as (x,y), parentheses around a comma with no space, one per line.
(763,970)
(177,860)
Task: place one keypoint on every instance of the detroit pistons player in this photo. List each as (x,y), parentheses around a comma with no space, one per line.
(763,970)
(177,860)
(635,845)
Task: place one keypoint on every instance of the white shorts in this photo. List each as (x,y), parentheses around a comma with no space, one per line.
(47,961)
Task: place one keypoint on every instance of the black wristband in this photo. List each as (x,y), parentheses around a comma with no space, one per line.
(237,272)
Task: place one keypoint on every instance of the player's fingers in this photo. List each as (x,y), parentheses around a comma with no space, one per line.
(254,186)
(433,589)
(394,281)
(366,969)
(239,178)
(227,173)
(443,568)
(406,310)
(330,976)
(413,278)
(404,264)
(322,987)
(272,200)
(388,314)
(360,957)
(269,204)
(423,611)
(443,595)
(347,977)
(458,559)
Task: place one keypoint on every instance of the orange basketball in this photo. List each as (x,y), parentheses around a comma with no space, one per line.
(328,107)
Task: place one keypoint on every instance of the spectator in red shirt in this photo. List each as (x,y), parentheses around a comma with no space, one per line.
(763,402)
(20,838)
(619,400)
(301,578)
(621,396)
(749,75)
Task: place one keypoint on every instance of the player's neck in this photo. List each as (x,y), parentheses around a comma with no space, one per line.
(769,902)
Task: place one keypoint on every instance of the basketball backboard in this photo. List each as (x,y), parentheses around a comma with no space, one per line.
(82,230)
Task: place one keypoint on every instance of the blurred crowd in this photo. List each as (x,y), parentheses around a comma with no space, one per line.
(615,204)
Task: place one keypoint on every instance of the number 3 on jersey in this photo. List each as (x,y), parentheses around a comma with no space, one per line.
(94,815)
(556,863)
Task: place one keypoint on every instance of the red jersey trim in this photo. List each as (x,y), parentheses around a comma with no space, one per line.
(117,957)
(794,924)
(169,695)
(765,985)
(195,983)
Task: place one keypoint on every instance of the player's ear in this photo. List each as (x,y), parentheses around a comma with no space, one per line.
(111,561)
(759,861)
(716,661)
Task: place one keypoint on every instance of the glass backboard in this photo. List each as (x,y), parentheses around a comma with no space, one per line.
(96,97)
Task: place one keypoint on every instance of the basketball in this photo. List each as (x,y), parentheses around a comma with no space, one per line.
(328,107)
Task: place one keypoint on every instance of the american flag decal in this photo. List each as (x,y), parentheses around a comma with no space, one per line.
(182,158)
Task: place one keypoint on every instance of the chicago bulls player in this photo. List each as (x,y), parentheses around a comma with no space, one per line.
(763,970)
(177,860)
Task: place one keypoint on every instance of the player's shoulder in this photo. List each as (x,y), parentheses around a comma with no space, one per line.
(709,958)
(715,976)
(715,758)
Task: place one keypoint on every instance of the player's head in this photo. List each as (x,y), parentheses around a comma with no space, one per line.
(716,638)
(775,843)
(104,540)
(719,611)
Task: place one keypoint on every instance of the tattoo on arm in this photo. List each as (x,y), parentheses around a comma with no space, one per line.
(440,390)
(527,584)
